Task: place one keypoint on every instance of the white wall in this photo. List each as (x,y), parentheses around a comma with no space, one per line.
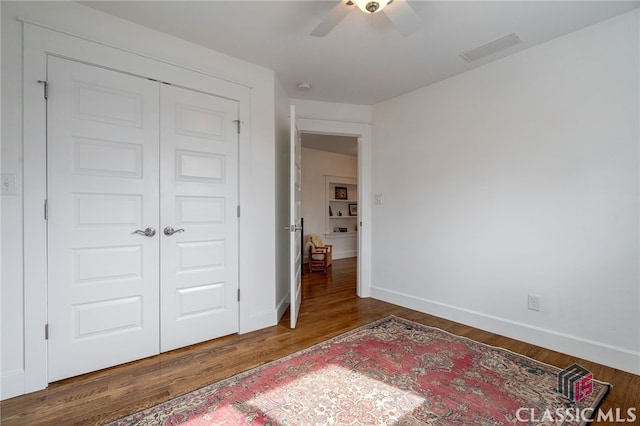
(257,195)
(520,177)
(315,165)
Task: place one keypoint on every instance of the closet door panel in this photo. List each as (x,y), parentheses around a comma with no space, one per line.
(103,161)
(199,198)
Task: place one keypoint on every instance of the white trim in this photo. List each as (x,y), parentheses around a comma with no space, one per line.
(611,356)
(337,255)
(282,305)
(35,190)
(345,254)
(111,46)
(12,384)
(335,121)
(363,132)
(257,320)
(39,43)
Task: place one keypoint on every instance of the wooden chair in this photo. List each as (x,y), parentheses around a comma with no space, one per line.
(320,256)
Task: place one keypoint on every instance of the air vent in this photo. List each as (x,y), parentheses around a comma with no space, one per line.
(491,47)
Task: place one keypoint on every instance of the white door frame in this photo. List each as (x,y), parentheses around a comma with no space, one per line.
(363,132)
(39,43)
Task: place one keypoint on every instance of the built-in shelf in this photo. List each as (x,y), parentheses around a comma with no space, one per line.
(341,197)
(342,234)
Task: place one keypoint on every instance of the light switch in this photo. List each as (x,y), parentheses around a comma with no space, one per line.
(8,183)
(379,199)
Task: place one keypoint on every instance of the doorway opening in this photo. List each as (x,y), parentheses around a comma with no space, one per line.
(330,199)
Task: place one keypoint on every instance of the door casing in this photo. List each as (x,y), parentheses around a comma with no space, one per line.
(363,132)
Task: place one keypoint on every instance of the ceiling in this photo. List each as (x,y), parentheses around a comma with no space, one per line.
(364,60)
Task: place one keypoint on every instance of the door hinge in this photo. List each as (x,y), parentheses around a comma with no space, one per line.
(46,209)
(238,211)
(238,295)
(237,125)
(46,332)
(46,88)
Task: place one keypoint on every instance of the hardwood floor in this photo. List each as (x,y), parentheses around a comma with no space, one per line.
(330,307)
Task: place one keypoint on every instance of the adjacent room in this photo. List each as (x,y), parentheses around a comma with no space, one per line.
(330,196)
(320,212)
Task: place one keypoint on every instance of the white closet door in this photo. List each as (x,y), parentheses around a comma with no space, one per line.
(199,198)
(102,187)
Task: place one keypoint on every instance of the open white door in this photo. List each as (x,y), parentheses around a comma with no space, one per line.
(295,228)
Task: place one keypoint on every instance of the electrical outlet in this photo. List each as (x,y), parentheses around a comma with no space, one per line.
(534,303)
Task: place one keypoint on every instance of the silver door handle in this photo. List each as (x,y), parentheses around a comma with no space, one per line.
(149,232)
(170,231)
(293,228)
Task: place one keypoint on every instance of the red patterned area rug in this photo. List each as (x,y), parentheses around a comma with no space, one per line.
(392,371)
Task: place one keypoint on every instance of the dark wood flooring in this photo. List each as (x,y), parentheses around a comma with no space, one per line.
(330,307)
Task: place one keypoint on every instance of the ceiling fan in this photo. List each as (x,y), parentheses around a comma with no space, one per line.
(399,13)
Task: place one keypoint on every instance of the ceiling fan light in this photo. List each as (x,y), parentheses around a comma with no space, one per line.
(371,6)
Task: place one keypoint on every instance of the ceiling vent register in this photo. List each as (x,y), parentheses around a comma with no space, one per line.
(491,47)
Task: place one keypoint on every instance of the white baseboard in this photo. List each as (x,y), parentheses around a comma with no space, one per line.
(612,356)
(12,384)
(281,307)
(258,321)
(337,255)
(344,254)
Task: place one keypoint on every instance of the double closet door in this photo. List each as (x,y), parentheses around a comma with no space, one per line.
(142,181)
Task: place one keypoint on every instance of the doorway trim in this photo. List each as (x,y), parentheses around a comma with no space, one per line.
(40,42)
(363,132)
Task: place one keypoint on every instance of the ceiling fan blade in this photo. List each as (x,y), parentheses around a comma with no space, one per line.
(336,15)
(403,17)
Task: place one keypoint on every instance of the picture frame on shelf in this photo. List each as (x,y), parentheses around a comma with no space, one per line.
(341,193)
(353,210)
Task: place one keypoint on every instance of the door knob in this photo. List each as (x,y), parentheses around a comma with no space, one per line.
(149,232)
(170,231)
